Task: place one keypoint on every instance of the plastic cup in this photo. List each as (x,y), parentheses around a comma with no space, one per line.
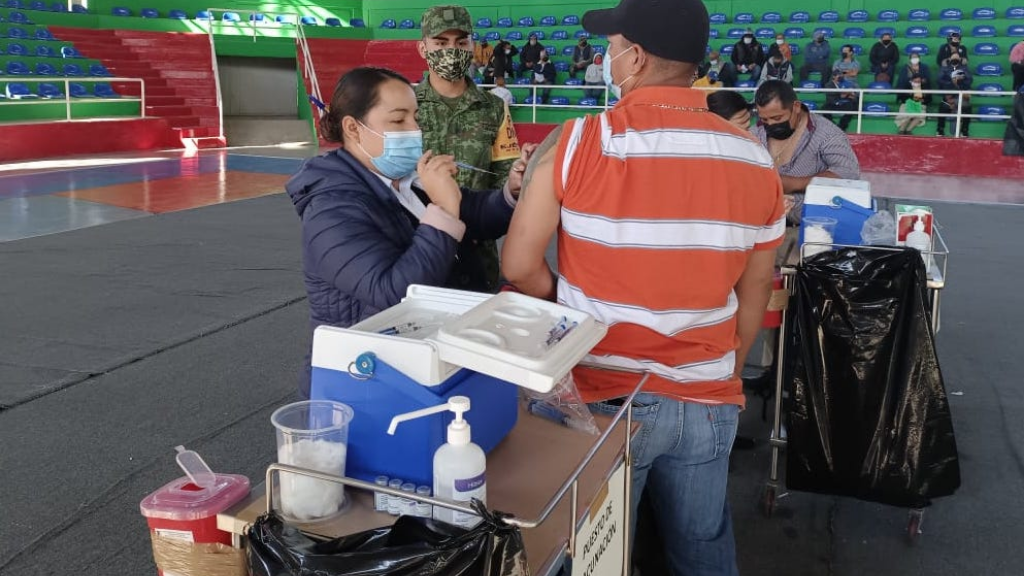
(312,434)
(819,232)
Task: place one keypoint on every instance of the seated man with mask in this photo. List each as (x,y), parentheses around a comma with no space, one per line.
(802,147)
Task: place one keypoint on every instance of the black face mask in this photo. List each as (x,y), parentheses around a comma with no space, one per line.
(886,42)
(779,131)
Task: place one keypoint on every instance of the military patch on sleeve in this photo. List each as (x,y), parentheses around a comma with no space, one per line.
(506,144)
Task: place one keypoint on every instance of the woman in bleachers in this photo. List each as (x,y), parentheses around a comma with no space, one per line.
(915,68)
(782,48)
(595,77)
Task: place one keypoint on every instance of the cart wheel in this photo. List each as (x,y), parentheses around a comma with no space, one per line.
(768,501)
(914,525)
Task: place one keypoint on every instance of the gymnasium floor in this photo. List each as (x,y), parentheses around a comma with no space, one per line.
(153,300)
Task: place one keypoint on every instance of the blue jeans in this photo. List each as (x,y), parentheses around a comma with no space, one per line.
(681,454)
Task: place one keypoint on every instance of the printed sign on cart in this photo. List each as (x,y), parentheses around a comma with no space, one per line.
(600,540)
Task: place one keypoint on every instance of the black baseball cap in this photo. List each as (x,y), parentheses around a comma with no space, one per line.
(670,29)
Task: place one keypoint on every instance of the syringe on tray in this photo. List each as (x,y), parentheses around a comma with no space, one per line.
(399,329)
(560,330)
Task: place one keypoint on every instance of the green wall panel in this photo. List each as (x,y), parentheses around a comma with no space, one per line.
(56,110)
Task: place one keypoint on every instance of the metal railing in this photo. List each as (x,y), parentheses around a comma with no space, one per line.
(67,98)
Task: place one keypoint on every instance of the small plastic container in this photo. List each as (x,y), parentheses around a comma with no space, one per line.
(312,434)
(819,231)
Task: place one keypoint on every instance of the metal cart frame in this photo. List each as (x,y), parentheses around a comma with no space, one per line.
(937,269)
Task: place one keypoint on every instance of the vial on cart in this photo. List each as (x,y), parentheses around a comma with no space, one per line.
(408,504)
(423,510)
(395,502)
(380,499)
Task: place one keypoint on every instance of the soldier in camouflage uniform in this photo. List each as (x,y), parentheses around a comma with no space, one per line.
(458,118)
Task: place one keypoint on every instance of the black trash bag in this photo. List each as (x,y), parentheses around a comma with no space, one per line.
(411,547)
(869,416)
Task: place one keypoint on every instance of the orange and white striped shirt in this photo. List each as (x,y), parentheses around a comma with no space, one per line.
(662,203)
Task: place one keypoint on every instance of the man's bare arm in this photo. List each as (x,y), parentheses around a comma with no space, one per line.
(752,291)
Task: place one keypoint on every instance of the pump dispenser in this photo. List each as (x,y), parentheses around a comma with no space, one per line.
(920,240)
(459,465)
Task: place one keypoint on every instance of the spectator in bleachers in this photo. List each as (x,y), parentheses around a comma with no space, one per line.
(595,77)
(1017,65)
(840,101)
(952,46)
(481,56)
(501,62)
(817,58)
(529,56)
(723,71)
(582,56)
(748,56)
(912,110)
(920,70)
(781,47)
(848,65)
(732,106)
(884,56)
(801,146)
(544,73)
(957,78)
(776,68)
(1013,138)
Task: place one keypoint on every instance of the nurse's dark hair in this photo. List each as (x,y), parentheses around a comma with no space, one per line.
(727,103)
(357,92)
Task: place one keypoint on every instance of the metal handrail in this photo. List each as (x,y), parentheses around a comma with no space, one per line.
(67,98)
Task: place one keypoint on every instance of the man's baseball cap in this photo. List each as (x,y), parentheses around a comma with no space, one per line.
(670,29)
(439,19)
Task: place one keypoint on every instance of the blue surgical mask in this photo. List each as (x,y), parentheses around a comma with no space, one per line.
(616,89)
(402,151)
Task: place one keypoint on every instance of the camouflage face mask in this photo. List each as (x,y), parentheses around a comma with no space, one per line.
(450,63)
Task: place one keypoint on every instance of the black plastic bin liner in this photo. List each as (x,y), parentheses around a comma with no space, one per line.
(869,416)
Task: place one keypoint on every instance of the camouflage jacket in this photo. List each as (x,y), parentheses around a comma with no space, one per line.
(478,131)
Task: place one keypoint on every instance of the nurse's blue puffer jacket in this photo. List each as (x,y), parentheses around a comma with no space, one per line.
(361,249)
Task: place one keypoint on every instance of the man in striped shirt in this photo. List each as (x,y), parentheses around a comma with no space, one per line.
(667,219)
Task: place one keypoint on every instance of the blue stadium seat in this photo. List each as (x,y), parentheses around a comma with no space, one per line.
(18,68)
(492,36)
(177,14)
(530,100)
(990,87)
(475,35)
(919,15)
(984,31)
(357,23)
(484,23)
(826,30)
(771,18)
(574,82)
(743,18)
(794,33)
(526,22)
(888,16)
(719,18)
(149,13)
(389,24)
(120,11)
(857,49)
(986,49)
(809,105)
(561,66)
(764,33)
(581,34)
(523,82)
(736,33)
(44,51)
(59,7)
(104,91)
(876,107)
(16,32)
(333,22)
(921,49)
(48,90)
(69,52)
(203,15)
(810,85)
(44,34)
(857,16)
(726,49)
(99,70)
(73,70)
(587,101)
(854,32)
(983,14)
(559,35)
(951,14)
(312,21)
(44,69)
(918,32)
(539,34)
(613,101)
(599,49)
(38,5)
(504,22)
(78,90)
(17,49)
(880,86)
(713,33)
(567,51)
(18,91)
(746,84)
(830,16)
(991,111)
(795,49)
(559,101)
(1015,12)
(16,4)
(1015,31)
(230,17)
(987,69)
(883,30)
(514,35)
(549,21)
(800,17)
(571,20)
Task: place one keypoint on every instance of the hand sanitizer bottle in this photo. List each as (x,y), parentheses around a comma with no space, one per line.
(920,240)
(460,466)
